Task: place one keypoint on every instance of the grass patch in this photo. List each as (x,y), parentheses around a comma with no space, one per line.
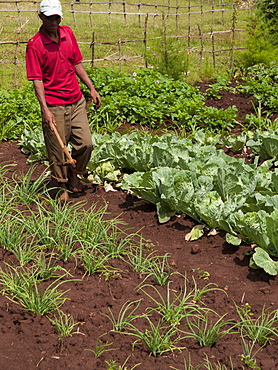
(111,22)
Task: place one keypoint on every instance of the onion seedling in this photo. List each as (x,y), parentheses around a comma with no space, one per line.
(27,191)
(113,365)
(64,324)
(159,338)
(22,287)
(125,315)
(176,306)
(160,269)
(258,329)
(139,260)
(101,347)
(91,257)
(205,331)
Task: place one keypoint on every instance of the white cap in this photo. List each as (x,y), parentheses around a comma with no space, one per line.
(51,7)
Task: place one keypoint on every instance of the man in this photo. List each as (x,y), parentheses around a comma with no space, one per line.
(53,60)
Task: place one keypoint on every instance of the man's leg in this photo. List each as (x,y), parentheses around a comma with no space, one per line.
(80,140)
(56,156)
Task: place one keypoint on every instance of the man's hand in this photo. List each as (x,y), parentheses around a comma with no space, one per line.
(96,97)
(48,117)
(82,74)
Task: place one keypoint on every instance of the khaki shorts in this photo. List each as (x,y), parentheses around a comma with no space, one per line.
(73,127)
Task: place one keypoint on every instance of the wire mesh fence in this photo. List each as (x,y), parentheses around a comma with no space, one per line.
(123,34)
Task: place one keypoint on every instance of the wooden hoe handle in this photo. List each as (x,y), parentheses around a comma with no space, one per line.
(64,148)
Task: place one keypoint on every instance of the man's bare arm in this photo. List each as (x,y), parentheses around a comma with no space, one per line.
(82,74)
(47,115)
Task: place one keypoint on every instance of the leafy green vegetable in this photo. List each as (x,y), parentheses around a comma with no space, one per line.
(232,239)
(265,144)
(260,228)
(19,110)
(195,233)
(32,144)
(260,82)
(104,171)
(261,259)
(149,98)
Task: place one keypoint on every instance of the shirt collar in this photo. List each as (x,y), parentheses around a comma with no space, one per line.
(47,40)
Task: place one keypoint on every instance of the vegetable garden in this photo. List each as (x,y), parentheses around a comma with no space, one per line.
(168,259)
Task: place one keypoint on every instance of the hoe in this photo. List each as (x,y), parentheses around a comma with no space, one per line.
(70,160)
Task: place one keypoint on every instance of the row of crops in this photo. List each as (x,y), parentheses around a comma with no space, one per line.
(40,237)
(190,175)
(214,189)
(187,172)
(154,101)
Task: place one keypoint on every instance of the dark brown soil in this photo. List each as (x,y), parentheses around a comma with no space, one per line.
(29,342)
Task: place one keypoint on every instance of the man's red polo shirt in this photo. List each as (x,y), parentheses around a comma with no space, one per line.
(53,63)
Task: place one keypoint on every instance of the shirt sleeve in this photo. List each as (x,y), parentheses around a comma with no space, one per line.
(33,66)
(77,52)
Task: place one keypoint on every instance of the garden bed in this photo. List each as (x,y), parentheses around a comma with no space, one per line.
(30,341)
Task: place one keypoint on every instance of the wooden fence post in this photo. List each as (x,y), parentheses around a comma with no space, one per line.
(189,13)
(154,18)
(15,63)
(189,27)
(139,14)
(93,49)
(73,13)
(213,48)
(120,54)
(202,46)
(234,19)
(91,20)
(18,32)
(124,11)
(18,13)
(145,40)
(202,11)
(177,10)
(109,11)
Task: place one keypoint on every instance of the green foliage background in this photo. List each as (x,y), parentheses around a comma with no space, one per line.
(261,44)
